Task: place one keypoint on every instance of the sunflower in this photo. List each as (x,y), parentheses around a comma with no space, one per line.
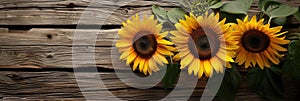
(142,45)
(258,43)
(204,44)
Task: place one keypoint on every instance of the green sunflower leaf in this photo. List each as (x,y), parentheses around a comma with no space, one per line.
(185,4)
(264,4)
(171,75)
(266,82)
(237,7)
(160,13)
(176,14)
(214,4)
(297,14)
(281,10)
(291,68)
(230,84)
(275,9)
(280,21)
(231,18)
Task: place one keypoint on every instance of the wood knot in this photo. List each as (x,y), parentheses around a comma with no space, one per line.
(127,10)
(71,5)
(14,76)
(49,36)
(50,55)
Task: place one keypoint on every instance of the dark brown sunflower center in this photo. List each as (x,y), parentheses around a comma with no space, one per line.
(145,44)
(204,44)
(255,41)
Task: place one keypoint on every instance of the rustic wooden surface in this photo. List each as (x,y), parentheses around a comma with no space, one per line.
(36,48)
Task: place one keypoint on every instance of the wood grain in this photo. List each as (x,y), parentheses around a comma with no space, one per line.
(56,37)
(36,64)
(52,48)
(53,56)
(57,12)
(61,85)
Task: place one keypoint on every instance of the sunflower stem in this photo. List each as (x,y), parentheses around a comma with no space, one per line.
(171,60)
(270,19)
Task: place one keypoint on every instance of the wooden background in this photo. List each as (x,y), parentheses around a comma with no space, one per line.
(36,49)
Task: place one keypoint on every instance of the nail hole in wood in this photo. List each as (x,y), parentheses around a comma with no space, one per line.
(49,56)
(49,36)
(71,5)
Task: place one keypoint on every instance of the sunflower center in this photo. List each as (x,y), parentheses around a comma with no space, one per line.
(255,41)
(204,44)
(145,44)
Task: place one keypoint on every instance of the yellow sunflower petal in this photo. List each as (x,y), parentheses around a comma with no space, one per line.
(248,60)
(280,41)
(123,43)
(225,57)
(158,60)
(260,61)
(277,47)
(125,54)
(146,66)
(177,57)
(141,66)
(217,64)
(153,66)
(165,42)
(208,68)
(130,58)
(201,69)
(163,59)
(265,60)
(196,63)
(164,51)
(136,63)
(186,61)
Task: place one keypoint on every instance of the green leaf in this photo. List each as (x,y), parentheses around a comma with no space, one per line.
(185,4)
(291,68)
(171,75)
(281,10)
(237,7)
(160,13)
(231,18)
(280,21)
(176,14)
(297,14)
(264,4)
(230,84)
(276,9)
(266,82)
(214,4)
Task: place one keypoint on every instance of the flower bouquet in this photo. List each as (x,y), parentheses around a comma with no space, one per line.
(209,37)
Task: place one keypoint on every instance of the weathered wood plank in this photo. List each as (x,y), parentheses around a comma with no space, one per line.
(85,3)
(63,37)
(81,3)
(34,48)
(57,37)
(52,56)
(54,14)
(62,85)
